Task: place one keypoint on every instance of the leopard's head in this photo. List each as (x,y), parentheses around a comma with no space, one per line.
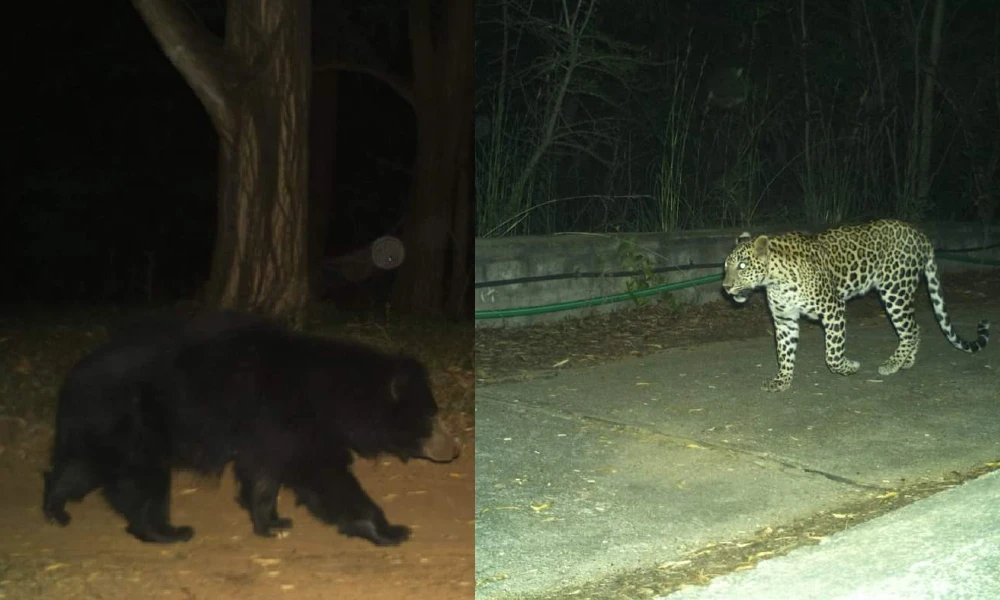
(746,266)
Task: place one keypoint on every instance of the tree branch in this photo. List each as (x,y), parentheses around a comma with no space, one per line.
(400,85)
(196,54)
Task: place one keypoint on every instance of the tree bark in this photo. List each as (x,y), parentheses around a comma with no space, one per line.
(807,142)
(436,226)
(322,167)
(255,86)
(459,301)
(927,109)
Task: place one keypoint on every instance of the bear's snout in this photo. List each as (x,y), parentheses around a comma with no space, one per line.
(440,445)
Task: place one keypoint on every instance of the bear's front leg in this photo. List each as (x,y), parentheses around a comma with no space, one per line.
(334,495)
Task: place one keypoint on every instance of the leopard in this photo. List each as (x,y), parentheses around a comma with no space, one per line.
(814,275)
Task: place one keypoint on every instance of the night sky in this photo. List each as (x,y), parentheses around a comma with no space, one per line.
(110,159)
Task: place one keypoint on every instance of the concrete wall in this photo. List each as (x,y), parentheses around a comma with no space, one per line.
(501,260)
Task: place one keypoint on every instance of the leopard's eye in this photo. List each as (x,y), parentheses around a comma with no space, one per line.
(742,265)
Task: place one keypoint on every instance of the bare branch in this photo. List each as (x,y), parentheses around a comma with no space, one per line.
(197,55)
(400,85)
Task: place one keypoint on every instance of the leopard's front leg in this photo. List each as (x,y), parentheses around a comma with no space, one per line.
(834,326)
(786,341)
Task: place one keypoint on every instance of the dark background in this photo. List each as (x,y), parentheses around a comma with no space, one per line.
(109,160)
(651,95)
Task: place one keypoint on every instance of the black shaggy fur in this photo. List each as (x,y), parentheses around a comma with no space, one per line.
(103,425)
(287,409)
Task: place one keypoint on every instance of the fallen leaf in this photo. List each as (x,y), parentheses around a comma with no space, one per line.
(267,562)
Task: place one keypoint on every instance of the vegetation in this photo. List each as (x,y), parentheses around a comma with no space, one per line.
(651,116)
(635,260)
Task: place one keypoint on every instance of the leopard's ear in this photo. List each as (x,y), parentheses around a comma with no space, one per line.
(760,248)
(743,237)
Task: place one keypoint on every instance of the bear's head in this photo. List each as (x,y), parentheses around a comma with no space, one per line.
(415,412)
(412,423)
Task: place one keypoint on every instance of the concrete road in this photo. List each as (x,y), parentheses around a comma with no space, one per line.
(946,547)
(633,463)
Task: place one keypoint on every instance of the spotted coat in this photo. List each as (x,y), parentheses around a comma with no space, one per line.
(814,276)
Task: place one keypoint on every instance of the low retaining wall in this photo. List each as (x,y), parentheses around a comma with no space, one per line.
(528,271)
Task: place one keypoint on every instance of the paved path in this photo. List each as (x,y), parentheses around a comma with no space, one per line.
(629,464)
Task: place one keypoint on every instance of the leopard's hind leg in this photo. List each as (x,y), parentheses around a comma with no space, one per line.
(834,329)
(898,300)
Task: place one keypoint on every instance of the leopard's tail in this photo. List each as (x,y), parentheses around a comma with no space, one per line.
(937,301)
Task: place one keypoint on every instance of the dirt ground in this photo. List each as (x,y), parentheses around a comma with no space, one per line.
(94,558)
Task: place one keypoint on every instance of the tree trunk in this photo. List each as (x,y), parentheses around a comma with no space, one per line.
(927,110)
(255,87)
(810,190)
(459,301)
(436,227)
(322,167)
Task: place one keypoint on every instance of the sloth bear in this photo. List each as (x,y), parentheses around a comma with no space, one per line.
(100,437)
(286,409)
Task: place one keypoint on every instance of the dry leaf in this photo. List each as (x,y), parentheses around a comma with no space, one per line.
(267,562)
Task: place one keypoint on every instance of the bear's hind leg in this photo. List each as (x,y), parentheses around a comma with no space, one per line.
(259,496)
(142,496)
(334,495)
(68,480)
